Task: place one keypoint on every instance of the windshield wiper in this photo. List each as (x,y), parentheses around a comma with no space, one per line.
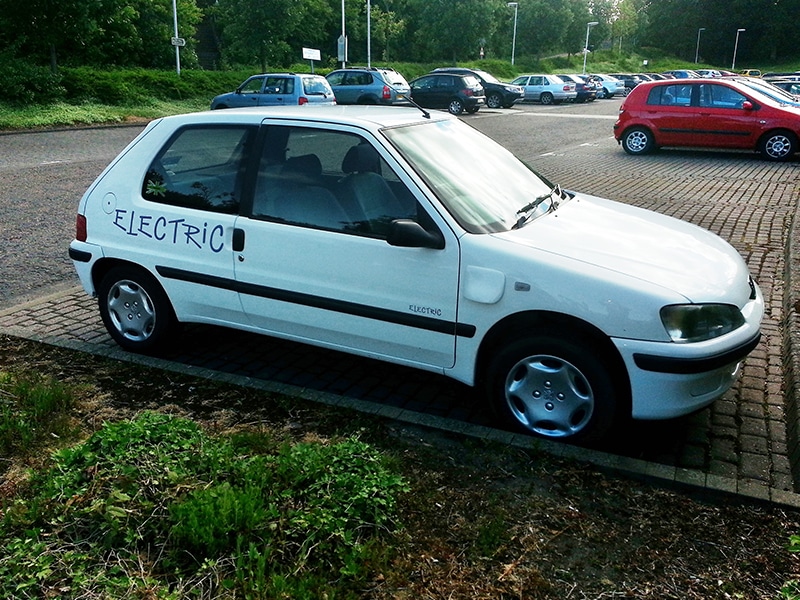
(524,212)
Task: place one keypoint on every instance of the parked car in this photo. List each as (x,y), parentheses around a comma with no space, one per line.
(750,72)
(707,113)
(628,79)
(547,89)
(586,92)
(361,85)
(768,88)
(498,94)
(709,73)
(456,93)
(609,86)
(683,74)
(412,238)
(277,89)
(789,85)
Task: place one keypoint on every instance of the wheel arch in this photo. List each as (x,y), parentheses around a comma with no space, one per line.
(514,326)
(102,267)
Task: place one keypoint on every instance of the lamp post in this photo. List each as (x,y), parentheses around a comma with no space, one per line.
(697,49)
(735,48)
(586,45)
(369,35)
(514,38)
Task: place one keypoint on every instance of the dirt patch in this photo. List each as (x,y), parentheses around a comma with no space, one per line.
(483,520)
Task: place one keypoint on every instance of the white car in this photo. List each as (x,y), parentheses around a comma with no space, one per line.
(547,89)
(364,230)
(609,86)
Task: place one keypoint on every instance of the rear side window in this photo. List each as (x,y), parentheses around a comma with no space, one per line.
(200,167)
(671,95)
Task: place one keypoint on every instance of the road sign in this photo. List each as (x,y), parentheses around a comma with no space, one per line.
(180,42)
(311,54)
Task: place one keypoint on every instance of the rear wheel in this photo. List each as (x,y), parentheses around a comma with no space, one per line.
(135,310)
(456,107)
(638,140)
(546,98)
(778,145)
(552,388)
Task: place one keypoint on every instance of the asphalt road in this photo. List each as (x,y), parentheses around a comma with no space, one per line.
(43,175)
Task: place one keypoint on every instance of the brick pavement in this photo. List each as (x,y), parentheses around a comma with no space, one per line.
(740,444)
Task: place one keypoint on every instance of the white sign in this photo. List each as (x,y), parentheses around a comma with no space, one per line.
(176,41)
(311,54)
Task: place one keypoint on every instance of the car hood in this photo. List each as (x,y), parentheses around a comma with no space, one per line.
(650,247)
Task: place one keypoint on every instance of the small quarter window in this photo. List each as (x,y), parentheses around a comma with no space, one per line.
(200,168)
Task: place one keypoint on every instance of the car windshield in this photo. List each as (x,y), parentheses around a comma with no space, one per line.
(482,185)
(488,77)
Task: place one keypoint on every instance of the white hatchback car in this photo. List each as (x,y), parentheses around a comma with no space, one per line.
(362,229)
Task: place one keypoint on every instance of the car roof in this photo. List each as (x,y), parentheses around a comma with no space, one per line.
(369,117)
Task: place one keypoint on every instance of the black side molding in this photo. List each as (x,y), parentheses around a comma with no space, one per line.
(692,366)
(80,255)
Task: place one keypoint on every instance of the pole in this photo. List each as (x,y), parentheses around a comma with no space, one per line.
(369,35)
(586,45)
(735,48)
(177,48)
(344,39)
(514,37)
(697,49)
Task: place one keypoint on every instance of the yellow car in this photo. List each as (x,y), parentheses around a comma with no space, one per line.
(750,72)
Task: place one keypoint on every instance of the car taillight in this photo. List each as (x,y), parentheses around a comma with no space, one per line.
(566,88)
(468,92)
(302,100)
(387,93)
(80,228)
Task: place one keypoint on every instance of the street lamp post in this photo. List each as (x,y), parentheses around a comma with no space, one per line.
(697,49)
(514,37)
(586,45)
(735,48)
(369,35)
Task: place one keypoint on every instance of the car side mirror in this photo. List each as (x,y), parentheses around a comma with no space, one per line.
(747,105)
(406,233)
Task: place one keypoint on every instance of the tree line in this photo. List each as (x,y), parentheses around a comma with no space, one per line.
(272,33)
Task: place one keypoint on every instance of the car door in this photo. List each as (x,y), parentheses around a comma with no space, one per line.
(312,258)
(277,91)
(723,120)
(249,93)
(535,86)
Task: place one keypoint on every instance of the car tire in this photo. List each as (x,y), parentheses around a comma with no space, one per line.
(473,110)
(546,98)
(778,146)
(368,101)
(607,94)
(494,101)
(553,388)
(135,310)
(638,140)
(456,107)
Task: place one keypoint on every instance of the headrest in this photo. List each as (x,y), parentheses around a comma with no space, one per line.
(362,158)
(304,166)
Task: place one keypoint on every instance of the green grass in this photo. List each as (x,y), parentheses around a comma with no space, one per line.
(156,508)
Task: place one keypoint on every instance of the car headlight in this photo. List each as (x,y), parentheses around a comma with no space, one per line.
(698,322)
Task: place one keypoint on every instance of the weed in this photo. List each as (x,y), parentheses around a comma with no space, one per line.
(158,496)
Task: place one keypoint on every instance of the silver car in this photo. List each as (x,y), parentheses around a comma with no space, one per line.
(547,89)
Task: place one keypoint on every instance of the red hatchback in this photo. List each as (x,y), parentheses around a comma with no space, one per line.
(706,113)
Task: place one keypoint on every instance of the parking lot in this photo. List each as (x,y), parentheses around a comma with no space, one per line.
(739,444)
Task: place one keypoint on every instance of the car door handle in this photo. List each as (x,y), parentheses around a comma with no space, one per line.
(238,239)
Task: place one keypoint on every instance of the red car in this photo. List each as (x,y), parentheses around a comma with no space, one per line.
(706,113)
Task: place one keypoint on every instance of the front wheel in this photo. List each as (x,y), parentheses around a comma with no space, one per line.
(638,140)
(552,388)
(135,310)
(546,98)
(456,107)
(494,101)
(778,146)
